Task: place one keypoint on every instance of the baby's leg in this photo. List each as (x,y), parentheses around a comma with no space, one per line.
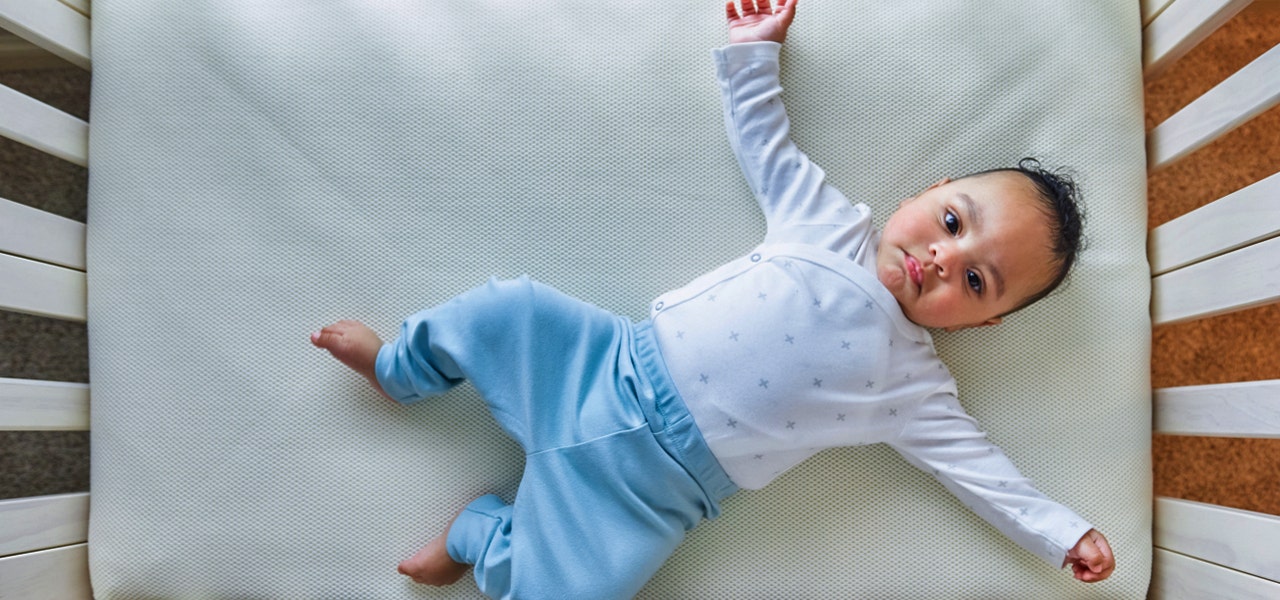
(594,520)
(353,343)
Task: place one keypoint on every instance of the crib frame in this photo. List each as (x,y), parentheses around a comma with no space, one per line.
(1231,263)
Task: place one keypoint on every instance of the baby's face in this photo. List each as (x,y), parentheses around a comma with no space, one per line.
(964,252)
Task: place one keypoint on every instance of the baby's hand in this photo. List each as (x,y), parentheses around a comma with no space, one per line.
(1091,559)
(760,20)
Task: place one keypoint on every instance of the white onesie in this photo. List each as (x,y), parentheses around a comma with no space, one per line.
(797,347)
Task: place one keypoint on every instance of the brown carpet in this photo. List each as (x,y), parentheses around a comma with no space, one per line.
(1241,473)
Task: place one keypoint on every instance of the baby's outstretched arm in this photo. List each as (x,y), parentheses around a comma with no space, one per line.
(1091,560)
(760,20)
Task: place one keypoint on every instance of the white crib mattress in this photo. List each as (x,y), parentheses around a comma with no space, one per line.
(260,169)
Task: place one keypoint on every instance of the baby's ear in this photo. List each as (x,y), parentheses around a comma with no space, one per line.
(987,323)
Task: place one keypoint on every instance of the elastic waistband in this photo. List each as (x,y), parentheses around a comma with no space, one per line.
(673,426)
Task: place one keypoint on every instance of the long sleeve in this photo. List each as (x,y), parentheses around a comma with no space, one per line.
(945,442)
(798,203)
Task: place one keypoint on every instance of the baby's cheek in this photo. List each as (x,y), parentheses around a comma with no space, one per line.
(943,311)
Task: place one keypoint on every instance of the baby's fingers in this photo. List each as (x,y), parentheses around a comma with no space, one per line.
(1084,573)
(1092,558)
(1092,574)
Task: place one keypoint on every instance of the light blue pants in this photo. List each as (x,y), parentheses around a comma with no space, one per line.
(616,471)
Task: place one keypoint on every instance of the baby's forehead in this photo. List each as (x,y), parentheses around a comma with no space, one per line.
(1014,216)
(1008,193)
(1014,181)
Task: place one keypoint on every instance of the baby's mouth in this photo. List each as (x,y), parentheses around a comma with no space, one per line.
(914,270)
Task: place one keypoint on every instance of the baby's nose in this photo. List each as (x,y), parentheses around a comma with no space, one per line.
(941,257)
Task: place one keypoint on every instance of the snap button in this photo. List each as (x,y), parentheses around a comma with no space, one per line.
(755,257)
(658,306)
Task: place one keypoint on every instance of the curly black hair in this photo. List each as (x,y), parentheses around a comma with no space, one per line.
(1061,202)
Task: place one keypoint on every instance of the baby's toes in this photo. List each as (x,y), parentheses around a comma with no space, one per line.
(327,337)
(340,338)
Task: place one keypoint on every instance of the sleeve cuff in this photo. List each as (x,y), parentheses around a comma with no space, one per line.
(1075,530)
(747,52)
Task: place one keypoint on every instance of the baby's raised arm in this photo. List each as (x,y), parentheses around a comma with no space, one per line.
(799,206)
(760,20)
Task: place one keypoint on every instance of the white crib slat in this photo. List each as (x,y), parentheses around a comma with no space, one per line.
(31,405)
(1178,577)
(1238,539)
(1180,27)
(1246,409)
(1234,281)
(43,127)
(28,524)
(56,574)
(80,6)
(50,24)
(38,235)
(1242,96)
(1152,9)
(1234,221)
(42,289)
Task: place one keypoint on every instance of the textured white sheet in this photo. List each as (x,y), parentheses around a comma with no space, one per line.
(261,169)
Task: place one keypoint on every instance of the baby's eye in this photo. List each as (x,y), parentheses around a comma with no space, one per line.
(952,222)
(974,280)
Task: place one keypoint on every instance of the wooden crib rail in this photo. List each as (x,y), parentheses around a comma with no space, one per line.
(1248,409)
(1235,235)
(1220,258)
(1248,93)
(42,236)
(42,522)
(33,405)
(43,127)
(43,549)
(1182,25)
(43,540)
(62,29)
(40,289)
(1198,272)
(42,255)
(1237,220)
(42,263)
(1238,549)
(1244,278)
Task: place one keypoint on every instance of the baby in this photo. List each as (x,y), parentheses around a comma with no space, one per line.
(634,432)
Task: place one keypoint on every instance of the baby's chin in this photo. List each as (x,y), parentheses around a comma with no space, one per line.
(895,280)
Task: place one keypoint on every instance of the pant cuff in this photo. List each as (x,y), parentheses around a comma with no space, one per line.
(475,528)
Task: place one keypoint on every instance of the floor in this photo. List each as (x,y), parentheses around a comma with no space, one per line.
(1238,347)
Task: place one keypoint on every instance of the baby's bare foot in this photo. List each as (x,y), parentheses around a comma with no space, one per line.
(355,345)
(432,565)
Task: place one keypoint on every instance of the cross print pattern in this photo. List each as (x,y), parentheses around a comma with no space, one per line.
(788,360)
